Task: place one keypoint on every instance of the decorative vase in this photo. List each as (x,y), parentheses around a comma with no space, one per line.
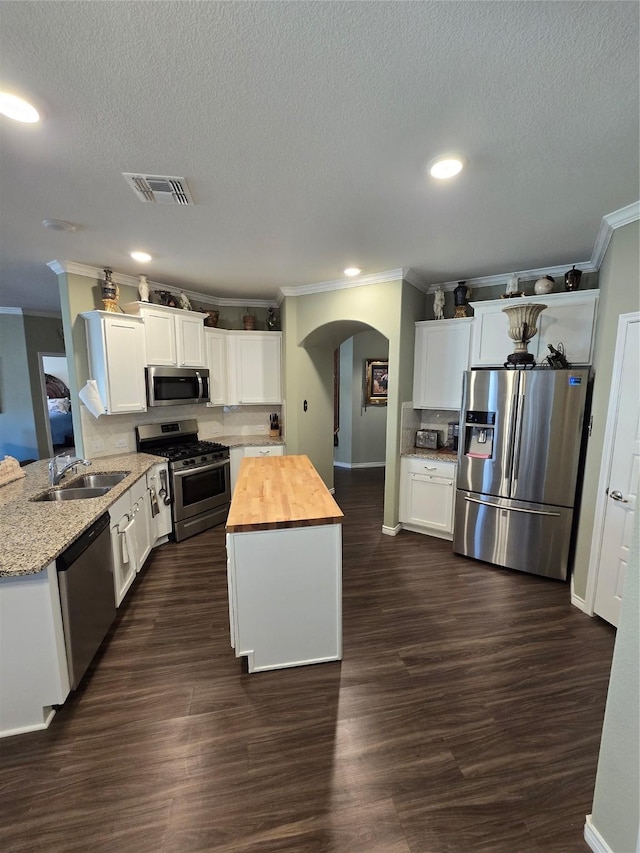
(544,285)
(211,320)
(143,289)
(572,279)
(522,328)
(110,292)
(461,297)
(249,322)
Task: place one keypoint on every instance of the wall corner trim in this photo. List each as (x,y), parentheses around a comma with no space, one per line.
(391,531)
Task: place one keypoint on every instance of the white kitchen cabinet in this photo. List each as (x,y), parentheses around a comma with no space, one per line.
(569,319)
(124,565)
(132,535)
(116,348)
(427,496)
(34,675)
(173,337)
(142,528)
(156,482)
(217,362)
(440,358)
(237,454)
(254,368)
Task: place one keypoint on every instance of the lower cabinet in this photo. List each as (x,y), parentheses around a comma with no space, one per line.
(237,454)
(132,535)
(158,485)
(427,496)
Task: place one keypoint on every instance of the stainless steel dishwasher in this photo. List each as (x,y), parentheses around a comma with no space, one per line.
(85,578)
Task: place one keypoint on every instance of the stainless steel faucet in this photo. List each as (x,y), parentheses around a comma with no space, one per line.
(56,473)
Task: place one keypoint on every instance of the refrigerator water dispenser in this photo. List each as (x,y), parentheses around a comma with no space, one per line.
(479,428)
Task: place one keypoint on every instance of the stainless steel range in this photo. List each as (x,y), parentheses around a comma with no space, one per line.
(199,472)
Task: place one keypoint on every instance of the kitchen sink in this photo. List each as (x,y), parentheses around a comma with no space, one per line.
(97,480)
(73,494)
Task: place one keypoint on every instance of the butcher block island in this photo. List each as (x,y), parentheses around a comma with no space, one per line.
(284,565)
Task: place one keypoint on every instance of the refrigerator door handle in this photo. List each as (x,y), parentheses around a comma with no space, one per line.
(511,508)
(512,429)
(517,432)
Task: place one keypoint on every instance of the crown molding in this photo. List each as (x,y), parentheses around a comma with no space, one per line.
(624,216)
(415,279)
(73,268)
(341,284)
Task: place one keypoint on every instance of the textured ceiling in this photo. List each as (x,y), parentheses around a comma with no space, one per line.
(303,130)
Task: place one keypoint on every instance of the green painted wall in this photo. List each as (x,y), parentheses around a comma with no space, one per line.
(616,799)
(17,427)
(362,437)
(22,413)
(314,325)
(619,294)
(42,334)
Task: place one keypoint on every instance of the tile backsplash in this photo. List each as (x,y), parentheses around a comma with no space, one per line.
(112,434)
(414,419)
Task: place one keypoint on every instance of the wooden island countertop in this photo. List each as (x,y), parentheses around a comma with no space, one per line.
(276,492)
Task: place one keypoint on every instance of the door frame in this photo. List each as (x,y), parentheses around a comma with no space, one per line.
(624,321)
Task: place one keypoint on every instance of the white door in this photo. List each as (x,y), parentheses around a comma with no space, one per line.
(619,475)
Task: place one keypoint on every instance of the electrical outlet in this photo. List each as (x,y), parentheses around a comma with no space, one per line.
(120,442)
(97,445)
(261,428)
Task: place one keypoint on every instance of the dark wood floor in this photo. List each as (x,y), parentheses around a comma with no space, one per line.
(465,716)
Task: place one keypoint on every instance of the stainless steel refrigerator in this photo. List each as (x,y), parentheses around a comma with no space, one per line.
(521,435)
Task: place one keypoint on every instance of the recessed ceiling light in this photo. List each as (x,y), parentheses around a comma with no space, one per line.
(352,271)
(15,108)
(141,257)
(446,166)
(59,225)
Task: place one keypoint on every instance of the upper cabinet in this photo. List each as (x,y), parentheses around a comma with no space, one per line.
(254,367)
(569,319)
(173,337)
(441,357)
(115,344)
(217,362)
(244,367)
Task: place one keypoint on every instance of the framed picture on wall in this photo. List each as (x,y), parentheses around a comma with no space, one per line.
(376,380)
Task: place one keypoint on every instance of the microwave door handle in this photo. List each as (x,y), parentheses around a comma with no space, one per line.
(200,388)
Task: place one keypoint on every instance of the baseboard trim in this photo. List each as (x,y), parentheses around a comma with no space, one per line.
(577,601)
(391,531)
(593,838)
(428,531)
(48,714)
(359,464)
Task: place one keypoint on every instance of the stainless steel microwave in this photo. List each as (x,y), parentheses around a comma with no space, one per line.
(174,386)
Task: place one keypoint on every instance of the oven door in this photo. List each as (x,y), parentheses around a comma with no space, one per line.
(197,490)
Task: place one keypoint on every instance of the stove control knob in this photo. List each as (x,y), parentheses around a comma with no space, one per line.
(203,458)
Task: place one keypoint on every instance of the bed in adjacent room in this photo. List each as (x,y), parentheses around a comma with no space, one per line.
(59,405)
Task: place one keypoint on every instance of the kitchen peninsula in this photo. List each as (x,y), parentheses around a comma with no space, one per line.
(284,565)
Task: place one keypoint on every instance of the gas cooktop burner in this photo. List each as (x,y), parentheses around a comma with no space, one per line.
(186,451)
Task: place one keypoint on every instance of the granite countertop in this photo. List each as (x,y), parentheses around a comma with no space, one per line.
(437,455)
(34,533)
(260,440)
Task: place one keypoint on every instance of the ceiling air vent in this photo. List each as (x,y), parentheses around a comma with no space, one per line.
(159,189)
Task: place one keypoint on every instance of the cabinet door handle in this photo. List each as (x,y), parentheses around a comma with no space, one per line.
(264,452)
(430,468)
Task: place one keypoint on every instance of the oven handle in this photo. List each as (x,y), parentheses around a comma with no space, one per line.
(200,469)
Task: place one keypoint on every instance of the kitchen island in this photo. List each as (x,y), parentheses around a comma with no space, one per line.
(284,565)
